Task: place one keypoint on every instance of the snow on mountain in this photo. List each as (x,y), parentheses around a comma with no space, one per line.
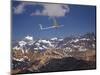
(55,38)
(35,48)
(45,47)
(46,42)
(22,43)
(74,40)
(82,49)
(60,39)
(29,44)
(72,43)
(68,44)
(21,59)
(84,39)
(16,48)
(29,38)
(40,48)
(43,44)
(37,44)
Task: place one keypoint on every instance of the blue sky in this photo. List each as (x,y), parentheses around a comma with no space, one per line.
(78,19)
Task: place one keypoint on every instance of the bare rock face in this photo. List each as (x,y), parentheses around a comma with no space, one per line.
(54,60)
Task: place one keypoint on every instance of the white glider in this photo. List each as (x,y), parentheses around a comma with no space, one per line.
(55,25)
(41,27)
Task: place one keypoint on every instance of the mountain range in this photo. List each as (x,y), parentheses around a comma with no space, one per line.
(35,55)
(80,43)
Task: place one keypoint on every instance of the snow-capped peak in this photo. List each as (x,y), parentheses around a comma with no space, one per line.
(29,38)
(16,48)
(60,39)
(22,43)
(46,42)
(55,38)
(76,40)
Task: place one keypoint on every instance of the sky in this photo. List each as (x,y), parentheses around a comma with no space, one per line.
(26,17)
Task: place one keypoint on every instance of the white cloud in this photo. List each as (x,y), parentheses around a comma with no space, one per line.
(37,12)
(19,9)
(51,10)
(55,10)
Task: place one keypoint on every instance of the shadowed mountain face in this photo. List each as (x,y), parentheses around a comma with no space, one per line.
(65,64)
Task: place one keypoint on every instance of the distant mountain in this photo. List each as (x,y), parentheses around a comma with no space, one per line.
(30,44)
(86,41)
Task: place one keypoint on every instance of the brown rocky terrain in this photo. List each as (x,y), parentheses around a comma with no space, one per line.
(43,61)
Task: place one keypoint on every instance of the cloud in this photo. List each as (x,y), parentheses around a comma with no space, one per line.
(37,12)
(19,9)
(51,10)
(55,10)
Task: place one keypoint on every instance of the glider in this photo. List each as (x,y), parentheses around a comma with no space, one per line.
(55,25)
